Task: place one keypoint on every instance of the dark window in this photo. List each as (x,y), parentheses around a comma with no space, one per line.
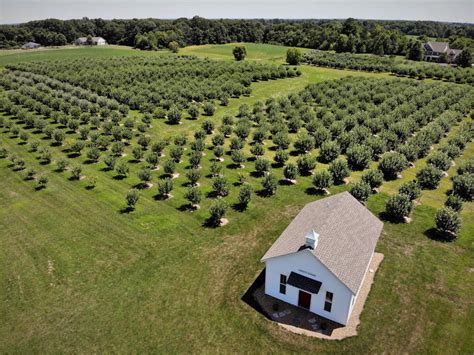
(328,302)
(283,284)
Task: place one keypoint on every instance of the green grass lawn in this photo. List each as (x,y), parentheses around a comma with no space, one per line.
(79,276)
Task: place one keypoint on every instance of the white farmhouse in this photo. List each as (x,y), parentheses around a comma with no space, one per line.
(320,261)
(94,41)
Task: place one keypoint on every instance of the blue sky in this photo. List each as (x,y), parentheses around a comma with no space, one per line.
(14,11)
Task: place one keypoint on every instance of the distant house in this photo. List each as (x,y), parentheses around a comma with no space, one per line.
(30,45)
(435,50)
(94,41)
(320,260)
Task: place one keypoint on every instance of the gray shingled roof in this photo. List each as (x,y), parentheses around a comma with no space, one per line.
(348,233)
(439,46)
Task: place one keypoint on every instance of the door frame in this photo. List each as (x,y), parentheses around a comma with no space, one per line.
(302,302)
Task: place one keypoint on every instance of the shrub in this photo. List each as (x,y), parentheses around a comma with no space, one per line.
(455,202)
(215,169)
(257,150)
(45,155)
(93,154)
(466,168)
(218,151)
(373,177)
(137,153)
(61,164)
(3,152)
(361,191)
(281,140)
(193,175)
(239,52)
(329,151)
(447,221)
(165,186)
(131,197)
(221,186)
(152,159)
(236,144)
(439,160)
(169,167)
(451,150)
(429,177)
(290,171)
(176,152)
(30,173)
(143,141)
(144,175)
(463,186)
(398,206)
(238,157)
(195,159)
(76,172)
(393,164)
(339,170)
(322,179)
(121,168)
(245,195)
(217,212)
(18,164)
(269,184)
(293,56)
(193,195)
(306,163)
(91,182)
(193,111)
(209,109)
(304,143)
(24,136)
(42,181)
(281,156)
(262,166)
(410,189)
(58,136)
(174,115)
(359,157)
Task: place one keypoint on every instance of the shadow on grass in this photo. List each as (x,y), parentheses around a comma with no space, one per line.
(119,177)
(211,223)
(439,236)
(285,182)
(384,216)
(127,210)
(187,207)
(212,194)
(248,296)
(239,207)
(314,191)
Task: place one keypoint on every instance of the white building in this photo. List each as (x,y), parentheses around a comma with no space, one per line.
(30,45)
(93,41)
(320,261)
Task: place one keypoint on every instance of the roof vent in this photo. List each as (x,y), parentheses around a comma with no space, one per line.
(311,239)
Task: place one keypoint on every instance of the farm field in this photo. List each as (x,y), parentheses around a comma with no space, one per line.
(83,275)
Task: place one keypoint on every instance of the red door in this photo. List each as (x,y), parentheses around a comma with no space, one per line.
(304,299)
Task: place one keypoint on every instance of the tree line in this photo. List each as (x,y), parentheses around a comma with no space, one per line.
(367,36)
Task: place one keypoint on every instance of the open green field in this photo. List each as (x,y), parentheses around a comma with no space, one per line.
(79,276)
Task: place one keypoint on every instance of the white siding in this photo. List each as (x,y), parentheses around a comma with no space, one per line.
(304,263)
